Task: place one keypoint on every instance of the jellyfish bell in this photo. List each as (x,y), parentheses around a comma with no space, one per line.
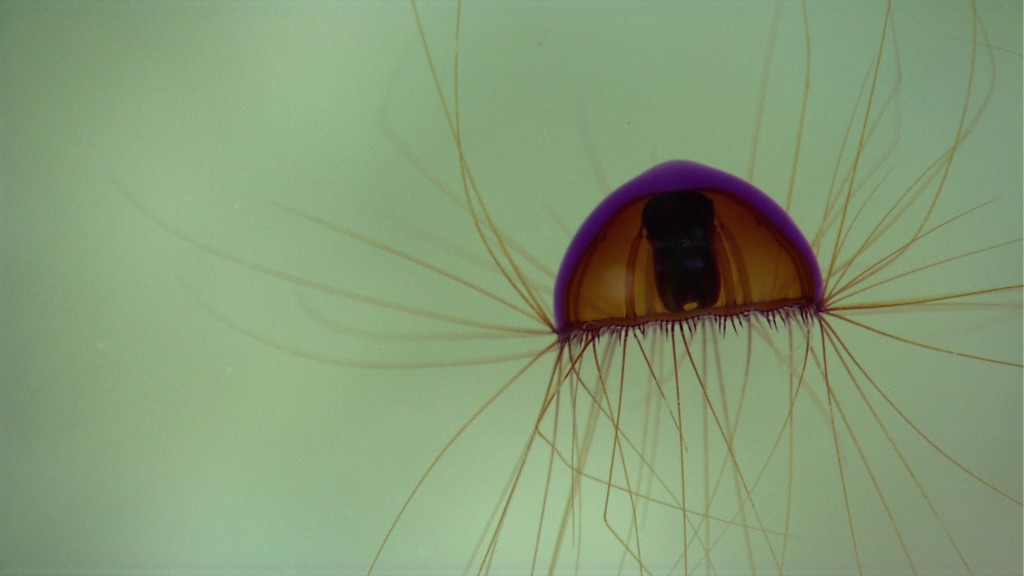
(679,241)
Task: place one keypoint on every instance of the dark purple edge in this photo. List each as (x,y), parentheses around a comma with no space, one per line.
(678,175)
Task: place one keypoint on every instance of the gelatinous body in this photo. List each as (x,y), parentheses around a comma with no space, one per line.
(683,240)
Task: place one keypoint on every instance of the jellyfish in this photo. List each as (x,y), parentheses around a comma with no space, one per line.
(708,404)
(755,355)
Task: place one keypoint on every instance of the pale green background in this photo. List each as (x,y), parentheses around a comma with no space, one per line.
(140,434)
